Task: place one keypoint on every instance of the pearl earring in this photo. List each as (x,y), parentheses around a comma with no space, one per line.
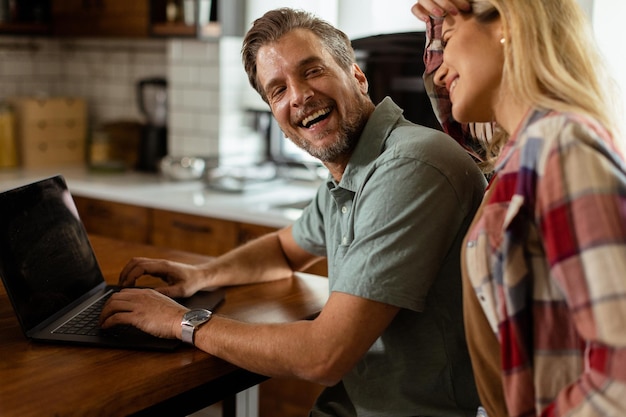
(502,40)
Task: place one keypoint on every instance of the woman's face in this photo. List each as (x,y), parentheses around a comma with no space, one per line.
(472,67)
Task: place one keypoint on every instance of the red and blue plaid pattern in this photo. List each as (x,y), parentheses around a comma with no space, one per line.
(547,259)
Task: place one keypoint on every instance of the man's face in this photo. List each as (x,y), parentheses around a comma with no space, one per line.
(318,105)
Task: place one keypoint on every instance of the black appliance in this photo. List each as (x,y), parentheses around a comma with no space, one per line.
(394,65)
(152,102)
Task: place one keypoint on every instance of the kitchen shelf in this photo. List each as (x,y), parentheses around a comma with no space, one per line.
(25,28)
(173,29)
(210,30)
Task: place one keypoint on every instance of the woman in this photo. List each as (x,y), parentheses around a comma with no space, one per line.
(545,259)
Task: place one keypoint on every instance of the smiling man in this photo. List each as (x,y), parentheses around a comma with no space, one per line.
(321,103)
(390,219)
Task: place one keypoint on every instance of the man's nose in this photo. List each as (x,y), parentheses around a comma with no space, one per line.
(301,92)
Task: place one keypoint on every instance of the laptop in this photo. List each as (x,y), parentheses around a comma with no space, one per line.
(52,276)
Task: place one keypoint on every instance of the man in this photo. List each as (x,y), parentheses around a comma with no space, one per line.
(390,220)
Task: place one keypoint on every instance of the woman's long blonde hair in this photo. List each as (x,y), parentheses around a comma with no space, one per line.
(552,60)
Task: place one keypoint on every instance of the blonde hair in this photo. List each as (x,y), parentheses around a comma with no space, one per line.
(551,60)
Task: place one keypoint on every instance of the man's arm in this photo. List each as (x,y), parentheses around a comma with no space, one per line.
(270,257)
(321,350)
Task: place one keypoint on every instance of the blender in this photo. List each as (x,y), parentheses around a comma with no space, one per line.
(152,101)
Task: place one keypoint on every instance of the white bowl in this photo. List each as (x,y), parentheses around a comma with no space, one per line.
(183,168)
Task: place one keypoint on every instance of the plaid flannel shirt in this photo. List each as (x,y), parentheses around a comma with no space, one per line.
(546,256)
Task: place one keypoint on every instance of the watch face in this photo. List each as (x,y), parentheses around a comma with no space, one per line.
(196,316)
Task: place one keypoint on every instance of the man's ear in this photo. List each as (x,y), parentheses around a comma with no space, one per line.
(360,77)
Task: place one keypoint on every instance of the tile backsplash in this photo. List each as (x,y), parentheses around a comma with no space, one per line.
(104,72)
(194,86)
(206,85)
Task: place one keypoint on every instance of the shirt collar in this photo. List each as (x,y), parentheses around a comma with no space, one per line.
(514,140)
(370,145)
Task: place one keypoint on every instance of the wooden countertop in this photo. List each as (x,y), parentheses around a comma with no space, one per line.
(55,380)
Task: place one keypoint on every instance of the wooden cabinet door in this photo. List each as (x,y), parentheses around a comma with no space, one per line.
(193,233)
(248,232)
(116,220)
(280,397)
(100,18)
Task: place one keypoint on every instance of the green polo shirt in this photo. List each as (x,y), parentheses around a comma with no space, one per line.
(392,230)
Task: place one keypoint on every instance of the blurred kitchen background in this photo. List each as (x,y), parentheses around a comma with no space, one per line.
(98,51)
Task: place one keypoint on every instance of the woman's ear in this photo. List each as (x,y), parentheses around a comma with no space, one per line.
(498,31)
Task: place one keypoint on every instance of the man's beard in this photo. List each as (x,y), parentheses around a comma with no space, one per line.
(347,138)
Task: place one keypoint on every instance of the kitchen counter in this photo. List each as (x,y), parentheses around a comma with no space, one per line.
(276,204)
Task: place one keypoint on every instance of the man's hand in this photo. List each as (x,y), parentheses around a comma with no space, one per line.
(424,9)
(145,309)
(183,280)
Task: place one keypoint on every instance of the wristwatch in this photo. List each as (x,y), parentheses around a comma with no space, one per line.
(192,320)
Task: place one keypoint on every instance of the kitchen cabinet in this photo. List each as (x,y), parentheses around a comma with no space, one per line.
(248,232)
(201,19)
(199,234)
(24,17)
(287,397)
(116,220)
(100,18)
(24,28)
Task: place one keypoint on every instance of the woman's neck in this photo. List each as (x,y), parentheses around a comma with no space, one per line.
(510,112)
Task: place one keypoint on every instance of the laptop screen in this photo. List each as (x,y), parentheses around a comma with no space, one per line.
(46,260)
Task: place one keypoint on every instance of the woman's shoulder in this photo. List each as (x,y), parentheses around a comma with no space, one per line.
(565,133)
(566,127)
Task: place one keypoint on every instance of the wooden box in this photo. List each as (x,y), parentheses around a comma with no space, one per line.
(51,132)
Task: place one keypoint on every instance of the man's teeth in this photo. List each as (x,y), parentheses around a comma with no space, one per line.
(314,116)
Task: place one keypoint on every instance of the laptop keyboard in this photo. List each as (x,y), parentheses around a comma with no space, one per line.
(87,321)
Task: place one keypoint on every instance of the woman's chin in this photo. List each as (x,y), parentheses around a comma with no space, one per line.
(469,117)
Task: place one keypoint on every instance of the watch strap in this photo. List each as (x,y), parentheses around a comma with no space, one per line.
(188,333)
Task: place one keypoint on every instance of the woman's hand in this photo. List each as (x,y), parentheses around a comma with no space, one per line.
(425,9)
